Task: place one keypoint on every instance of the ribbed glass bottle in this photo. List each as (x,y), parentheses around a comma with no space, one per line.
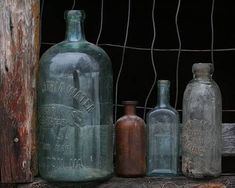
(202,119)
(75,108)
(162,135)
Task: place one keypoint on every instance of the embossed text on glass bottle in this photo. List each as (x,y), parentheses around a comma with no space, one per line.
(201,132)
(162,135)
(75,108)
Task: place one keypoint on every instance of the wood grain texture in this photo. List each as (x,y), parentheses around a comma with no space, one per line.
(19,54)
(8,186)
(228,139)
(176,182)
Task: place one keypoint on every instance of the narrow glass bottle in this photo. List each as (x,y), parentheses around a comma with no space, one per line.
(130,143)
(162,135)
(75,108)
(201,132)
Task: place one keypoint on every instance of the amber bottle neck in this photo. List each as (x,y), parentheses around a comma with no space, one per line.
(130,109)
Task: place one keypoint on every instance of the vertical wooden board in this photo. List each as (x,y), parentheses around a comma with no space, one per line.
(229,139)
(36,45)
(19,54)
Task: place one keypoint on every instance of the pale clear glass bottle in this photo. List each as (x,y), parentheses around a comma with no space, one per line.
(163,135)
(202,120)
(75,108)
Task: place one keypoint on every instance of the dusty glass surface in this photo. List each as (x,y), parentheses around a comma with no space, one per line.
(202,119)
(162,135)
(75,108)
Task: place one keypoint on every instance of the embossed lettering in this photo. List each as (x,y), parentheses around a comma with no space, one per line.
(90,108)
(71,90)
(59,115)
(76,163)
(55,162)
(61,88)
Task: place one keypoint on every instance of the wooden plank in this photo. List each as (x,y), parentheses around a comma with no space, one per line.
(19,54)
(228,139)
(147,182)
(8,185)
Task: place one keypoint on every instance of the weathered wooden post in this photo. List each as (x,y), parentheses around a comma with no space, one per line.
(19,54)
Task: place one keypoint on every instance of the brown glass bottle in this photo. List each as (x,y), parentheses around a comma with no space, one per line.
(130,143)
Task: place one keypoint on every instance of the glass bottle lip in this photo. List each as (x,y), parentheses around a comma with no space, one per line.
(130,102)
(163,82)
(203,67)
(74,15)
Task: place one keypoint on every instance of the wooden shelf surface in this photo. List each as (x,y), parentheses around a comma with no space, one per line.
(224,181)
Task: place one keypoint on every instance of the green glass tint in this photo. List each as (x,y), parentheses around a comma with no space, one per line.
(75,108)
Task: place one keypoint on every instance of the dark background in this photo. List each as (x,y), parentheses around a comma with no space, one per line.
(137,76)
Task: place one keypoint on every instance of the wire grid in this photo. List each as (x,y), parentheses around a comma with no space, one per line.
(124,46)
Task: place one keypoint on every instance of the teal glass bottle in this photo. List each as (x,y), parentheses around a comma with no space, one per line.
(202,125)
(163,135)
(75,108)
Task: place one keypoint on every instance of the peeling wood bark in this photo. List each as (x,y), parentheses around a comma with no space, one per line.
(19,54)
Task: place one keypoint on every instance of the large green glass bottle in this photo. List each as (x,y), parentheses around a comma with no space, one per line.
(75,108)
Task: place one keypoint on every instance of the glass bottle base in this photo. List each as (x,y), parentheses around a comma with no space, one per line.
(130,175)
(76,175)
(162,173)
(201,176)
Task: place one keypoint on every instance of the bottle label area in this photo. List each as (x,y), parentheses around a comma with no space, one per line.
(163,146)
(193,137)
(62,89)
(74,139)
(59,116)
(68,143)
(201,151)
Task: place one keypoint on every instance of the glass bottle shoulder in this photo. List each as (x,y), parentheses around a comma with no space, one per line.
(167,110)
(203,86)
(203,82)
(65,57)
(160,116)
(128,120)
(65,49)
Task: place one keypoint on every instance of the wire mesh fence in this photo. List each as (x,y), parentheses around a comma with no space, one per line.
(154,40)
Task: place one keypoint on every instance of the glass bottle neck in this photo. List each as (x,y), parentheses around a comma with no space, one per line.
(163,96)
(130,109)
(75,30)
(202,76)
